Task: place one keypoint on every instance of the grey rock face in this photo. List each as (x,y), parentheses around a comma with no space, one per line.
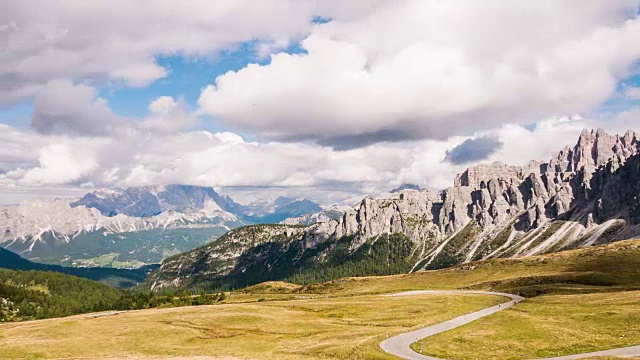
(145,201)
(502,210)
(584,195)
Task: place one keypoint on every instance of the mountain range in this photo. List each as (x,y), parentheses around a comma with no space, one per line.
(132,227)
(584,195)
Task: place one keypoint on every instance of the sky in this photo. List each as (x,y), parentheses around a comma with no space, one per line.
(326,99)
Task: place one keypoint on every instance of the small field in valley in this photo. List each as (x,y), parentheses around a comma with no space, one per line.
(577,301)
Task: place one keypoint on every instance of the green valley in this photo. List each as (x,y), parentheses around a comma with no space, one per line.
(587,296)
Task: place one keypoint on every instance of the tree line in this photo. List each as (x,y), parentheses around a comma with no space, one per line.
(30,295)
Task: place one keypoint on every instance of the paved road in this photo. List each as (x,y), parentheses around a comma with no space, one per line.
(400,345)
(102,314)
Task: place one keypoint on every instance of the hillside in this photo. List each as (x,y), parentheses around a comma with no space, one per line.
(585,195)
(611,267)
(586,297)
(26,295)
(122,278)
(254,254)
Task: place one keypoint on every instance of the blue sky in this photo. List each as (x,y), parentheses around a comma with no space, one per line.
(351,97)
(620,102)
(187,75)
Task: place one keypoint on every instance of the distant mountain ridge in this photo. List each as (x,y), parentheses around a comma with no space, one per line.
(280,209)
(325,215)
(585,195)
(147,201)
(130,227)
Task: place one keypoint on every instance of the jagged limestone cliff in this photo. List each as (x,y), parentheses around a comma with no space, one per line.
(496,210)
(583,196)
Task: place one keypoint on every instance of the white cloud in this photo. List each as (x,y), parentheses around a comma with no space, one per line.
(168,115)
(15,194)
(118,41)
(632,93)
(427,69)
(162,105)
(18,150)
(135,156)
(395,84)
(63,107)
(62,163)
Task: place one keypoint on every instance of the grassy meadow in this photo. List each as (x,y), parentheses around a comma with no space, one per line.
(545,326)
(577,301)
(330,328)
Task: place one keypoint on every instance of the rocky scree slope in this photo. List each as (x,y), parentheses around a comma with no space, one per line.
(585,195)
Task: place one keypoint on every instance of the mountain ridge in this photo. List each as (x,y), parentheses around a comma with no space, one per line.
(138,225)
(585,195)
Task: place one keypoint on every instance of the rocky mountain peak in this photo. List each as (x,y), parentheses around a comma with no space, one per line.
(488,199)
(405,187)
(477,176)
(145,201)
(595,149)
(587,194)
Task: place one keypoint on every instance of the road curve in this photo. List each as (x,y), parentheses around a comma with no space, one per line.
(400,345)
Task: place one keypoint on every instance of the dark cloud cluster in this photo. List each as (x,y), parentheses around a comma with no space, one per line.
(472,150)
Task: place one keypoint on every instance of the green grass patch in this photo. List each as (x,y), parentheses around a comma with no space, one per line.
(546,326)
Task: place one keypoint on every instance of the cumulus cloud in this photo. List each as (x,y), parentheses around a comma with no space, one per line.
(19,149)
(426,69)
(168,115)
(202,158)
(386,93)
(61,164)
(119,41)
(136,157)
(64,107)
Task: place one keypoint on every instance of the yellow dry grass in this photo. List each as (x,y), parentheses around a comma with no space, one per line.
(323,328)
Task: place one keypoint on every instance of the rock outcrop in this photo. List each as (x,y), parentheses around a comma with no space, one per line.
(585,195)
(505,210)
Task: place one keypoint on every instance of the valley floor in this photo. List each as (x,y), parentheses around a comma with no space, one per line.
(577,301)
(338,328)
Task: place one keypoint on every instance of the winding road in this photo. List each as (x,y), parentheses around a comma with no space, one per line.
(400,345)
